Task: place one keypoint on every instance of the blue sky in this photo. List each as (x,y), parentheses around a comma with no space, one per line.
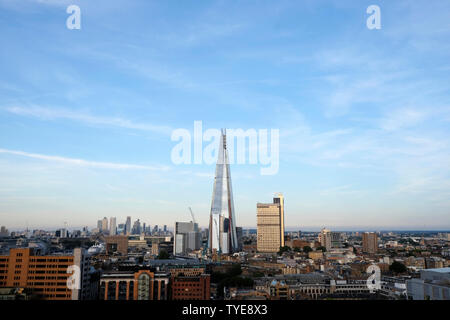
(364,115)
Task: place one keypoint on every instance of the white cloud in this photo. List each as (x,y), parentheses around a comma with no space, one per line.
(84,163)
(51,114)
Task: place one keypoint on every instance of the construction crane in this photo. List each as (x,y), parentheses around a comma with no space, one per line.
(192,214)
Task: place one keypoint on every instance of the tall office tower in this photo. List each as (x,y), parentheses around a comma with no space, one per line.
(270,225)
(370,242)
(121,228)
(99,225)
(128,226)
(136,227)
(239,238)
(105,224)
(112,226)
(222,223)
(187,238)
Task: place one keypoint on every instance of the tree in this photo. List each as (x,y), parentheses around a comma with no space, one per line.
(163,255)
(322,248)
(284,249)
(397,267)
(307,249)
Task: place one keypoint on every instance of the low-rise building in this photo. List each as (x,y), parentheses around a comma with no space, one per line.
(434,284)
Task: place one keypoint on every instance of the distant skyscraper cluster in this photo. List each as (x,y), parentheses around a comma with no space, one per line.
(127,228)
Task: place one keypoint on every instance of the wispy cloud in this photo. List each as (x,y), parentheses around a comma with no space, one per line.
(53,113)
(83,163)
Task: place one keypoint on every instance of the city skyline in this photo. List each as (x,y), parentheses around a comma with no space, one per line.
(86,116)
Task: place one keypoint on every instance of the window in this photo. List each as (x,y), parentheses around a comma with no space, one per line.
(122,290)
(144,287)
(111,290)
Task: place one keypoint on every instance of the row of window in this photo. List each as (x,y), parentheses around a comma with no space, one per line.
(48,284)
(50,260)
(49,266)
(47,271)
(47,278)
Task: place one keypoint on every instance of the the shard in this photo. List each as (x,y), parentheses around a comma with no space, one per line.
(222,223)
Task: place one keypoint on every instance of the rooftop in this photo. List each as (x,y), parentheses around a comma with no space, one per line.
(440,270)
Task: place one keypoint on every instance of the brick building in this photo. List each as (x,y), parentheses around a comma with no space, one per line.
(129,285)
(191,288)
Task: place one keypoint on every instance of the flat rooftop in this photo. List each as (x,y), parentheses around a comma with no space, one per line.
(440,270)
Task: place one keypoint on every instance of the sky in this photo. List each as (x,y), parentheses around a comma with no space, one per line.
(86,115)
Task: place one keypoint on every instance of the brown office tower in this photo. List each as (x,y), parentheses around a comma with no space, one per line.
(46,276)
(370,242)
(270,224)
(191,288)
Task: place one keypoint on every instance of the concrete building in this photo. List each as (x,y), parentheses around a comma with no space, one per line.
(270,225)
(186,238)
(434,284)
(330,240)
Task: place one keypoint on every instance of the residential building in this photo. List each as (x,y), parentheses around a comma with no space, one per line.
(370,242)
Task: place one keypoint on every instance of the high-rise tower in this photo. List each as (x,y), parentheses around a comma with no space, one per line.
(222,223)
(270,223)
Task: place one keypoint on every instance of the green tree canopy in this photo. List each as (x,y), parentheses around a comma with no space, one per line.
(163,254)
(397,267)
(307,249)
(284,249)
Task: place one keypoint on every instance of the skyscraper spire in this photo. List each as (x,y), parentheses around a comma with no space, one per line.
(222,224)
